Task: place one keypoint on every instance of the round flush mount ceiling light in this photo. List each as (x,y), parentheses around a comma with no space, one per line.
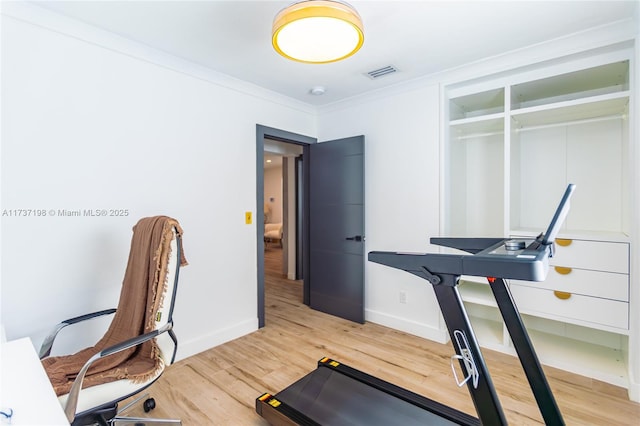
(317,31)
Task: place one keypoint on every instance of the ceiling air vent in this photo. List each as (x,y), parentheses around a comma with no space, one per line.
(381,72)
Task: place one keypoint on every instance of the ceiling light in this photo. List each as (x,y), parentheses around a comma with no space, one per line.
(317,31)
(317,91)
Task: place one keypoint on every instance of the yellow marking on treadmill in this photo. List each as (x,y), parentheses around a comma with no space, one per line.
(274,402)
(334,363)
(264,397)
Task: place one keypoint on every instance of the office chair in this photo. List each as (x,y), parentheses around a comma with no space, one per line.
(98,403)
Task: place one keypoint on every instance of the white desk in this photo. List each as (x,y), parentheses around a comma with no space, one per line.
(25,387)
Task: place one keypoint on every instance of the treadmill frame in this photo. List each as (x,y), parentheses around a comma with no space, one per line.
(481,389)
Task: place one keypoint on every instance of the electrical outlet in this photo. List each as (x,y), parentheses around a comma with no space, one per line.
(403,297)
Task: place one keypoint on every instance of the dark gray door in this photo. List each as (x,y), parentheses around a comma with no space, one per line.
(336,227)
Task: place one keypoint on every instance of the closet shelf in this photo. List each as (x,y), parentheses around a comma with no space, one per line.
(486,124)
(574,234)
(473,290)
(611,104)
(580,357)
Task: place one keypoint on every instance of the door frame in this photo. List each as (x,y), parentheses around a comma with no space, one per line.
(263,132)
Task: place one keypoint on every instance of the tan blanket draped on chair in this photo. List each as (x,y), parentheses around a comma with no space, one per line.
(142,293)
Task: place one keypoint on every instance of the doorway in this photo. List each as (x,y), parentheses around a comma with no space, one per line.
(268,133)
(282,217)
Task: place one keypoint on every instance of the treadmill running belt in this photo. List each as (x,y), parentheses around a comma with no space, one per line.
(331,398)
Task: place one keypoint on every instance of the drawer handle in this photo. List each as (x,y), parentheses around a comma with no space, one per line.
(563,242)
(562,270)
(562,295)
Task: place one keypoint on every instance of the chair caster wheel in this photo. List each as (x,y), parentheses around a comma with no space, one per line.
(149,405)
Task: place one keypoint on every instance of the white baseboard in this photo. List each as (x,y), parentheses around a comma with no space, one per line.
(426,331)
(202,343)
(634,391)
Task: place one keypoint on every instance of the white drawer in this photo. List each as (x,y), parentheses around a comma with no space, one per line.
(579,309)
(606,285)
(593,255)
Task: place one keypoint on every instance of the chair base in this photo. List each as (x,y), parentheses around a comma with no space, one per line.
(149,404)
(98,417)
(141,421)
(111,416)
(268,240)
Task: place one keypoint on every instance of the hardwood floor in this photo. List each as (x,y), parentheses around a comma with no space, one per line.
(219,386)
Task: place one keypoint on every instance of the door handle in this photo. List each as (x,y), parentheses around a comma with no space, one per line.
(355,238)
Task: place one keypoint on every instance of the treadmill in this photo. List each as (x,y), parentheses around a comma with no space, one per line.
(336,394)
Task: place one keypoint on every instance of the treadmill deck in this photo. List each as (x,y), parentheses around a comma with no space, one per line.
(335,394)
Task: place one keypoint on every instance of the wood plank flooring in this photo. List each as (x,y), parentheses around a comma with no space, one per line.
(219,386)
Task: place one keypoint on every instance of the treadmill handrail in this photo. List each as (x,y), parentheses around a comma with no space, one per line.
(530,266)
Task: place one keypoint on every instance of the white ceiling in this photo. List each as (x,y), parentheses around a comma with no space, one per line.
(417,37)
(275,150)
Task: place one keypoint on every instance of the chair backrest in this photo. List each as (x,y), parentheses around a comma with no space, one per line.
(167,342)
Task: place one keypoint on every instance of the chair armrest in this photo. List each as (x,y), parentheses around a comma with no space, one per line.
(74,393)
(45,348)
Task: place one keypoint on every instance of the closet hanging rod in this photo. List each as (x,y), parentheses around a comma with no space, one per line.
(479,135)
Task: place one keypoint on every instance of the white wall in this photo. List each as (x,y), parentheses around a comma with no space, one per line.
(273,190)
(92,121)
(401,197)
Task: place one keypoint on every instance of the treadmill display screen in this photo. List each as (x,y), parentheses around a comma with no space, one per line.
(559,216)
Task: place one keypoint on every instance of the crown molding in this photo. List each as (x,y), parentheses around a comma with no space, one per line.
(600,37)
(38,16)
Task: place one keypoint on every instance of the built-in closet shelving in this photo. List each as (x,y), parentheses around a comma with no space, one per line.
(512,143)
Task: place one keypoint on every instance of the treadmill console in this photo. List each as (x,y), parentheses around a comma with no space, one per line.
(522,259)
